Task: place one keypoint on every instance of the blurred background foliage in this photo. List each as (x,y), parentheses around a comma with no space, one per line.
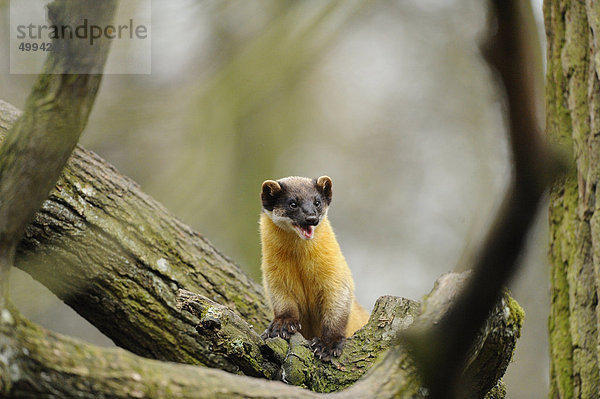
(389,98)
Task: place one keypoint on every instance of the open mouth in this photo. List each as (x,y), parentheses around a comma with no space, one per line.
(306,233)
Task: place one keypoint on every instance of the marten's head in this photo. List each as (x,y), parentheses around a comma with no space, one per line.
(297,203)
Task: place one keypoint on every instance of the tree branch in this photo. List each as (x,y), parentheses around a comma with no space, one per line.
(295,362)
(488,358)
(41,362)
(118,258)
(442,349)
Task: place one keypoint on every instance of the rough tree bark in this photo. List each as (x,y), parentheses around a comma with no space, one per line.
(573,120)
(121,261)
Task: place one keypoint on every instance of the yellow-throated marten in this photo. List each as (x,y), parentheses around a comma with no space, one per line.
(306,278)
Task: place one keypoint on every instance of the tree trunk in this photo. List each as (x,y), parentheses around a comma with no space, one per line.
(573,120)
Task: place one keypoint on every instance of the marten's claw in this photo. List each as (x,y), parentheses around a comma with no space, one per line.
(282,327)
(325,349)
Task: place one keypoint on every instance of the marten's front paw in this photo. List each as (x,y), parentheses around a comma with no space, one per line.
(282,327)
(325,349)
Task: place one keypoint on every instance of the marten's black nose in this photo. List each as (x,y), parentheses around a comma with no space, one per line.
(312,220)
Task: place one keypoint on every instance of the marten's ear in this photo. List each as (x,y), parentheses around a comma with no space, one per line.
(269,193)
(324,187)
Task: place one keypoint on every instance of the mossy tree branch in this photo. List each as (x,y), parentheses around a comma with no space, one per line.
(488,359)
(118,258)
(39,362)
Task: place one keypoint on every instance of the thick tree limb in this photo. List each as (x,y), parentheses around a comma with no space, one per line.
(295,362)
(118,258)
(229,335)
(41,363)
(45,365)
(488,358)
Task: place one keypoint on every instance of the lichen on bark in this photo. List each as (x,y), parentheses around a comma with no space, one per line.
(573,120)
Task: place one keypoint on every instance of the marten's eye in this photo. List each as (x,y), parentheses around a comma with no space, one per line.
(293,205)
(317,203)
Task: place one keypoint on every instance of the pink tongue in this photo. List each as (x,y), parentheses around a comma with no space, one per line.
(308,233)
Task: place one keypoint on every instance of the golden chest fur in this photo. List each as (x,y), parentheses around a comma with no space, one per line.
(311,273)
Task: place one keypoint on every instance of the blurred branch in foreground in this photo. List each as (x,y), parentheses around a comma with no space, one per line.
(441,349)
